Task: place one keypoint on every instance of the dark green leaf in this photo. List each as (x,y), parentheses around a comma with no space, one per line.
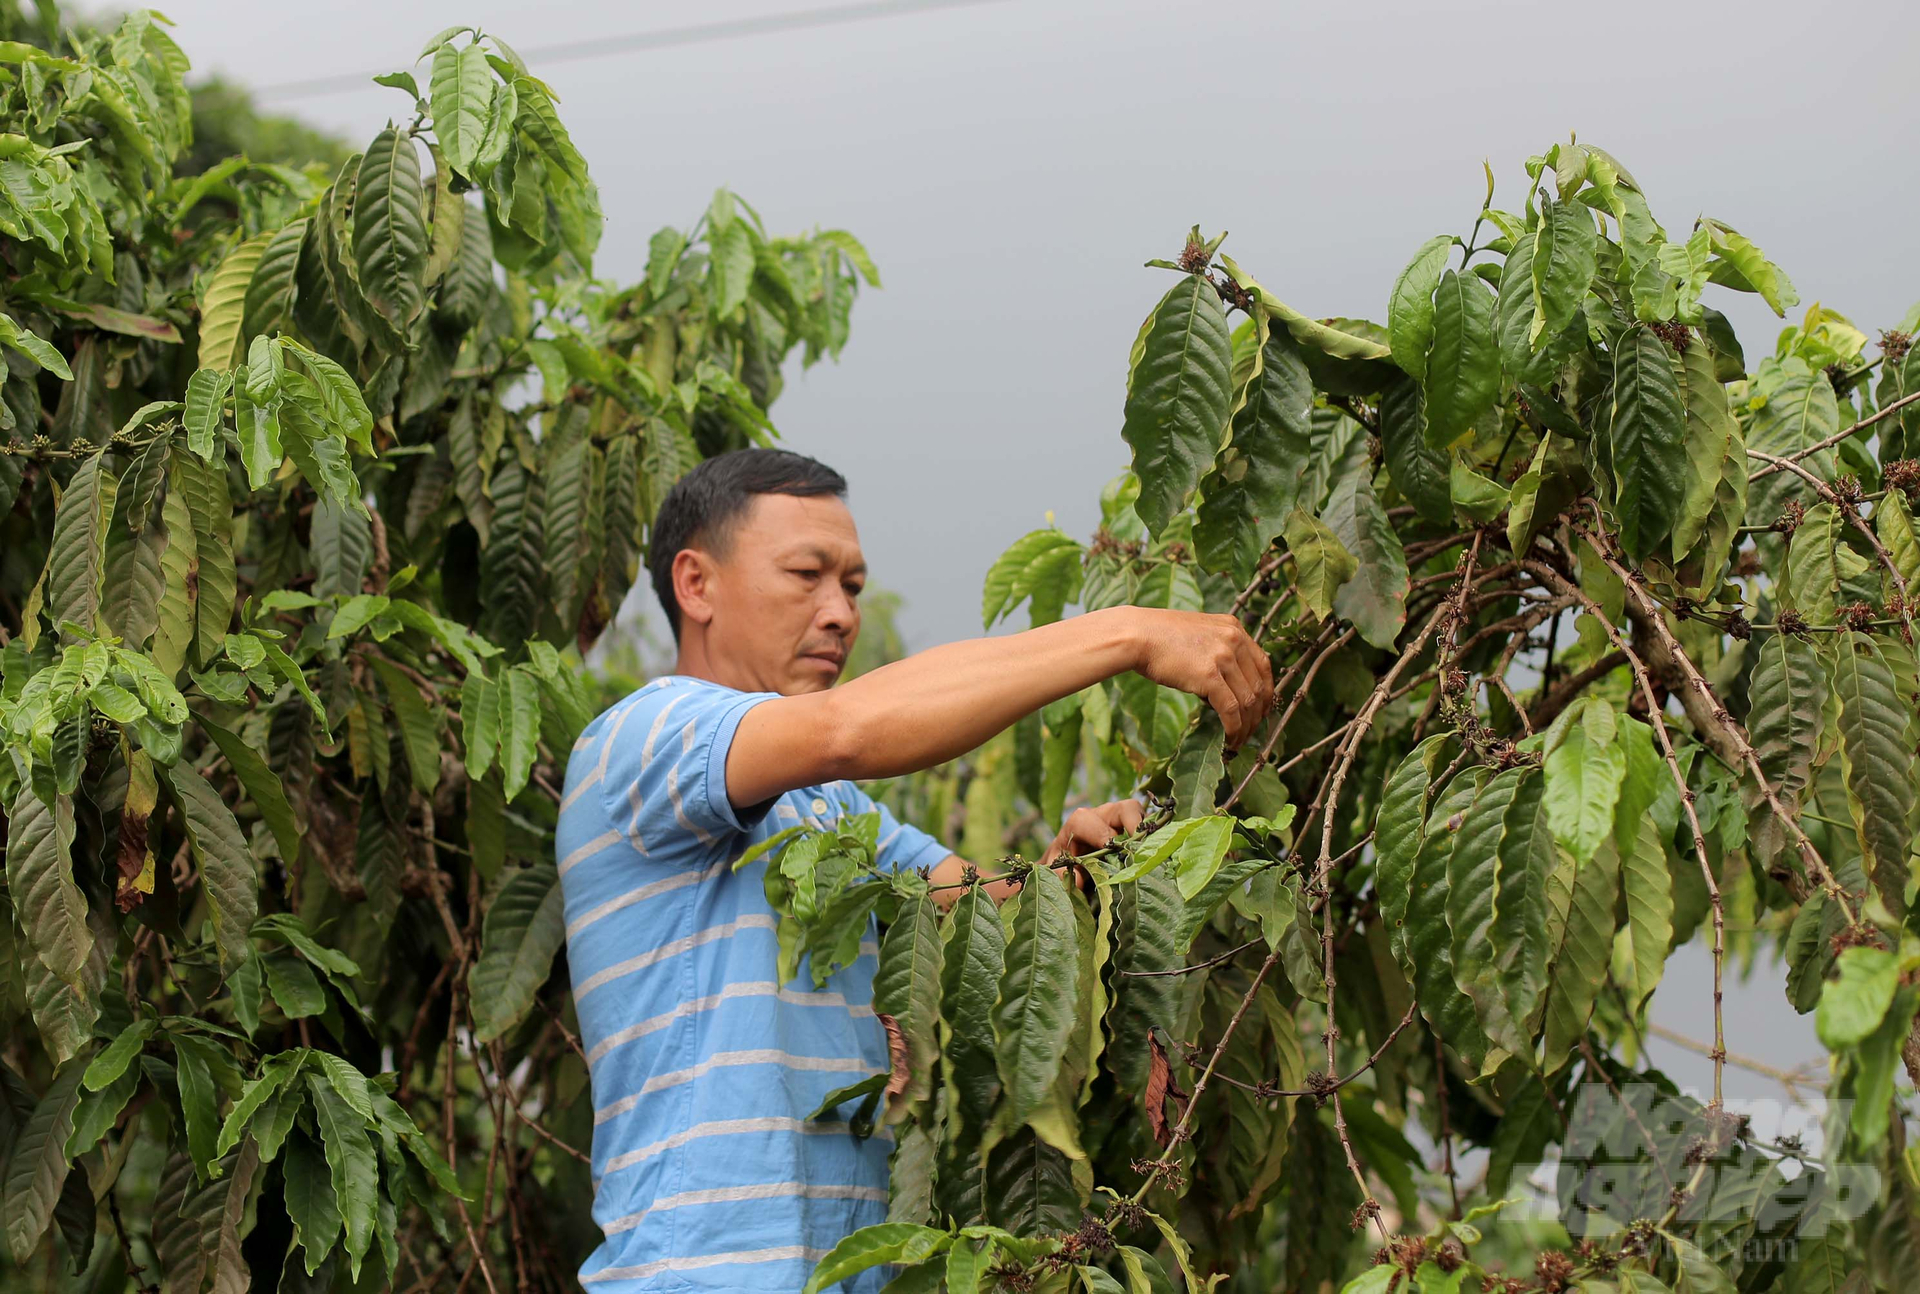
(1463,368)
(1178,393)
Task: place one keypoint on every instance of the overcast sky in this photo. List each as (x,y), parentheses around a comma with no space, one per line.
(1011,164)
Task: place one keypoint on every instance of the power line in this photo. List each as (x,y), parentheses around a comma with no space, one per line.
(694,34)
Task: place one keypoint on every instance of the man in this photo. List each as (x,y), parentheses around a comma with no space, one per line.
(704,1069)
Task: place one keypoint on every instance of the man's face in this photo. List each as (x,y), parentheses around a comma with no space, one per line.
(782,607)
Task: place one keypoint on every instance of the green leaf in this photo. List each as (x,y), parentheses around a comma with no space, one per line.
(731,271)
(355,1170)
(1874,720)
(1043,565)
(1472,866)
(1463,368)
(1195,849)
(1321,562)
(34,347)
(98,1112)
(1583,779)
(113,1060)
(1198,767)
(1877,1060)
(1562,267)
(1178,396)
(295,988)
(1580,965)
(902,1243)
(1428,959)
(1375,599)
(419,725)
(1799,412)
(1647,884)
(310,1201)
(1752,271)
(1787,692)
(1410,308)
(839,1096)
(1820,565)
(1398,831)
(1893,523)
(906,987)
(227,871)
(77,560)
(1699,1274)
(224,307)
(274,1075)
(262,786)
(49,906)
(461,88)
(37,1166)
(268,306)
(967,1266)
(971,966)
(1419,471)
(1039,992)
(65,1010)
(204,487)
(524,928)
(195,1060)
(1715,501)
(1322,336)
(1646,443)
(1146,939)
(341,397)
(519,695)
(390,226)
(510,573)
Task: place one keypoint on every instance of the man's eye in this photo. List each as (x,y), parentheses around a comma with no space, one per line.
(853,590)
(808,574)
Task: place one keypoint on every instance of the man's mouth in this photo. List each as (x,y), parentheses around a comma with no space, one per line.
(833,658)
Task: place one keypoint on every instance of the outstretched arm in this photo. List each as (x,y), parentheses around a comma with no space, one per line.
(941,703)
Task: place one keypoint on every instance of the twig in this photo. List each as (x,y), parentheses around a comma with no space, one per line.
(1778,464)
(1446,1122)
(1228,955)
(1791,1079)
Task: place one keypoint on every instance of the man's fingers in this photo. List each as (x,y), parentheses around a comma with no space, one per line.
(1126,815)
(1245,694)
(1086,827)
(1225,704)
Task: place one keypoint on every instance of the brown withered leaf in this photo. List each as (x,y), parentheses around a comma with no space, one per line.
(1159,1076)
(135,859)
(901,1072)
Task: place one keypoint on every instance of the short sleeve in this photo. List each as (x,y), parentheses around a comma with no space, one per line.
(666,770)
(900,846)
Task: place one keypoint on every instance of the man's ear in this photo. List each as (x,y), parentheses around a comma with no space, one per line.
(693,573)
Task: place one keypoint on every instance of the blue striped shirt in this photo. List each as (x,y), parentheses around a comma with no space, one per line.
(708,1176)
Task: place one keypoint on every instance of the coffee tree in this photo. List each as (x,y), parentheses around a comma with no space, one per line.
(1592,638)
(314,486)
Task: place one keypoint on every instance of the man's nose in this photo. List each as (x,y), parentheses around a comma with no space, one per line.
(837,612)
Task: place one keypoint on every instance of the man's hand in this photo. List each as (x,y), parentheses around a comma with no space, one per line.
(1087,829)
(1213,658)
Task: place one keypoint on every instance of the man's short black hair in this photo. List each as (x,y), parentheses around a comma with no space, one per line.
(703,506)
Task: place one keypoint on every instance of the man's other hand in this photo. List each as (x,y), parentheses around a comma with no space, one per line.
(1087,829)
(1211,657)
